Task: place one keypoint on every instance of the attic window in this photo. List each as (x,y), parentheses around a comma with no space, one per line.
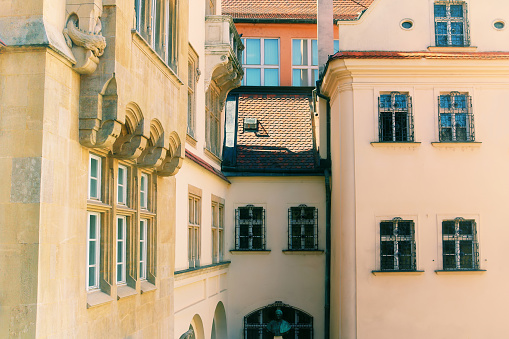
(250,124)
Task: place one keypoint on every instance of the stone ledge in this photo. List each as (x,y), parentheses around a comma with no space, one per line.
(397,272)
(446,49)
(147,286)
(396,144)
(125,291)
(297,252)
(190,272)
(455,272)
(97,298)
(452,144)
(249,251)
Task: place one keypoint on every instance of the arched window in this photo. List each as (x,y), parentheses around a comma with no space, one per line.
(255,322)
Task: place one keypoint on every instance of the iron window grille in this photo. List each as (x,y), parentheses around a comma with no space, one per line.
(395,119)
(451,25)
(455,117)
(250,228)
(255,322)
(302,228)
(460,248)
(397,245)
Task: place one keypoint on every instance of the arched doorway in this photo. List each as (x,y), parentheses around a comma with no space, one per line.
(255,322)
(219,323)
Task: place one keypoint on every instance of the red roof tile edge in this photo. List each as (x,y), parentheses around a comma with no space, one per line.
(196,159)
(418,55)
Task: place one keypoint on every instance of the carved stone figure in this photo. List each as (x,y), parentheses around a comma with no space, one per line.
(96,43)
(278,326)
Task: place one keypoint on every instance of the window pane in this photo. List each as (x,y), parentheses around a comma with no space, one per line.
(336,46)
(387,248)
(300,77)
(314,52)
(448,247)
(440,11)
(271,52)
(404,228)
(386,228)
(271,77)
(121,175)
(120,228)
(93,226)
(93,188)
(253,52)
(159,28)
(299,52)
(448,227)
(466,227)
(456,11)
(253,77)
(314,76)
(119,272)
(91,277)
(94,167)
(92,252)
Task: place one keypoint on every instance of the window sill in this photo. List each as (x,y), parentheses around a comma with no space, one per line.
(452,49)
(125,209)
(396,144)
(147,213)
(303,252)
(97,206)
(212,156)
(452,144)
(125,291)
(191,140)
(156,59)
(147,286)
(397,272)
(249,251)
(97,298)
(453,272)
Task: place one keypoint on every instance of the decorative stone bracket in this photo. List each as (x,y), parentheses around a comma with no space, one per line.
(174,157)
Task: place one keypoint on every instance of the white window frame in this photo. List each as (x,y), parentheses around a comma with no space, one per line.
(309,67)
(98,178)
(194,230)
(143,248)
(144,197)
(124,186)
(217,231)
(121,242)
(97,264)
(262,66)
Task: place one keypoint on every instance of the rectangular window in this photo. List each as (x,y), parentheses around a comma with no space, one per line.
(460,248)
(144,184)
(93,250)
(121,249)
(217,231)
(261,62)
(191,92)
(305,61)
(455,117)
(250,228)
(194,230)
(143,248)
(302,228)
(94,177)
(451,27)
(397,245)
(213,122)
(122,185)
(395,120)
(156,21)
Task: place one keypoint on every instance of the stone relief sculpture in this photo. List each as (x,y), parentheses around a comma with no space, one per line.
(86,47)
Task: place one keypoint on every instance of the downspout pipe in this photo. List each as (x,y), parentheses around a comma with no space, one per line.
(328,207)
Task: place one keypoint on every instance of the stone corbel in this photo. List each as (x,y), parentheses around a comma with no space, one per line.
(130,146)
(153,156)
(174,157)
(99,127)
(216,63)
(84,37)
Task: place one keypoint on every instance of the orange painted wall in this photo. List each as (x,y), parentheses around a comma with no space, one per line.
(285,32)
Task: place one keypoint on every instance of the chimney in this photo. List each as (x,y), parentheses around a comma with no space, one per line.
(325,32)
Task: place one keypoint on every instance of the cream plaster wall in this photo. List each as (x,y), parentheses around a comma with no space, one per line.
(426,183)
(258,279)
(386,16)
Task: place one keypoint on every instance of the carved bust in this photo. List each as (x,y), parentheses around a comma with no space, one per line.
(278,326)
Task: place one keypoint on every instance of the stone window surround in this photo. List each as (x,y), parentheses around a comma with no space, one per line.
(217,227)
(194,225)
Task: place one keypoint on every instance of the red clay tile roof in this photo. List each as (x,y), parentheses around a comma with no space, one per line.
(196,159)
(291,9)
(284,140)
(419,55)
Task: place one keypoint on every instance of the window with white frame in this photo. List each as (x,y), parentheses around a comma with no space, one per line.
(217,229)
(460,249)
(121,250)
(94,177)
(122,185)
(305,61)
(261,62)
(143,248)
(194,230)
(302,228)
(156,21)
(397,245)
(144,186)
(455,117)
(212,120)
(451,26)
(395,120)
(191,92)
(250,228)
(93,250)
